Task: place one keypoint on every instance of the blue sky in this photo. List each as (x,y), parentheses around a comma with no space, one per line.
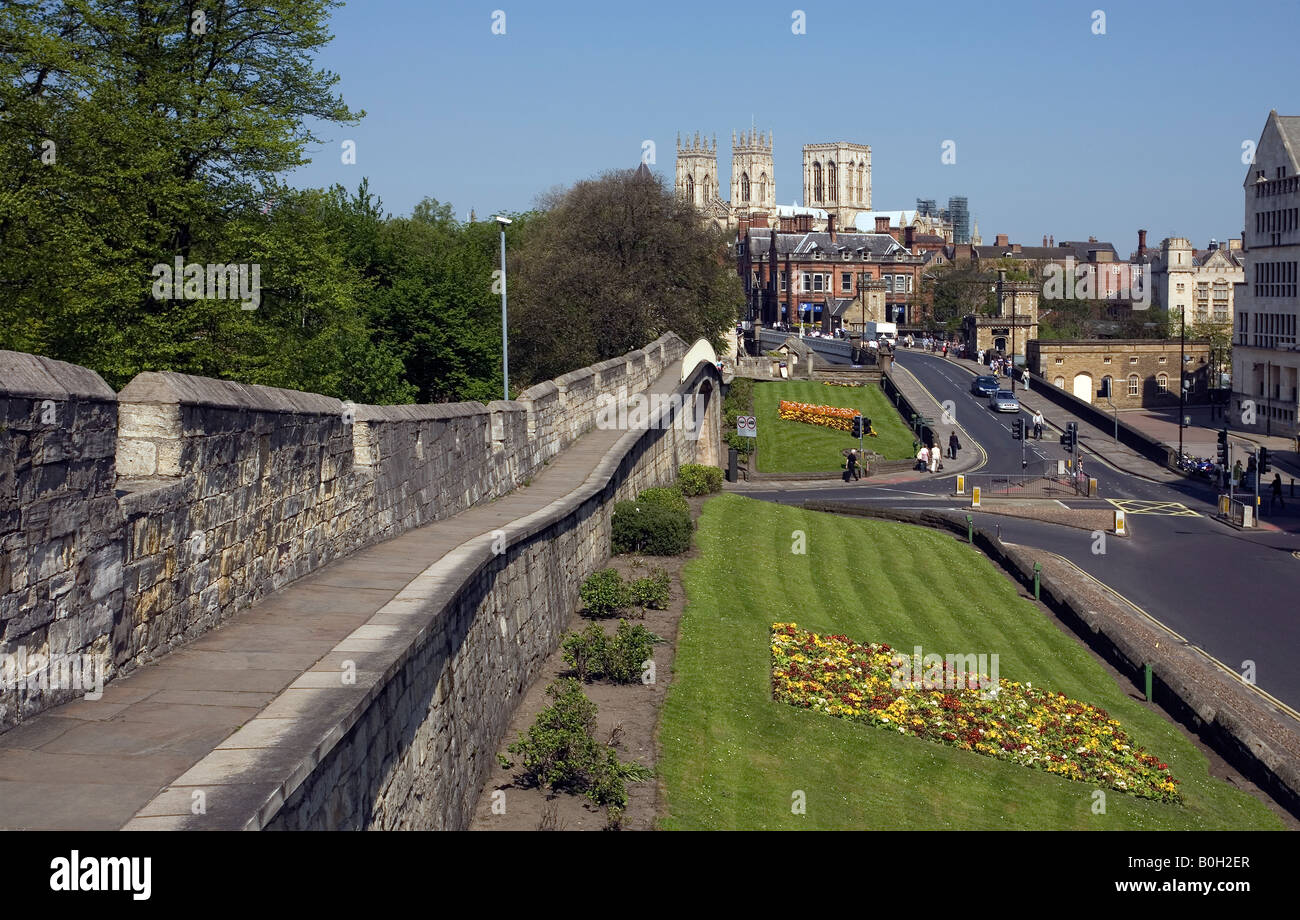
(1058,130)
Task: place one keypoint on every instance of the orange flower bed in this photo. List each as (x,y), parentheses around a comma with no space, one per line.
(837,418)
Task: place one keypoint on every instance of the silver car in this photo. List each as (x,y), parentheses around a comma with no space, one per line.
(1004,401)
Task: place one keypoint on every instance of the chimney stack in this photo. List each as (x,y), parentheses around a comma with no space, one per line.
(1051,240)
(830,226)
(1044,240)
(882,224)
(1142,244)
(909,237)
(1001,240)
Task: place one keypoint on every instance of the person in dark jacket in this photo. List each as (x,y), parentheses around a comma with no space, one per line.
(853,465)
(954,445)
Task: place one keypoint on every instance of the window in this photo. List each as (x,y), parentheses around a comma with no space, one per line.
(817,182)
(817,282)
(1162,383)
(1132,384)
(889,282)
(1105,360)
(807,282)
(744,186)
(784,281)
(846,281)
(1060,382)
(909,283)
(832,183)
(1060,360)
(1164,359)
(762,188)
(1180,287)
(1133,360)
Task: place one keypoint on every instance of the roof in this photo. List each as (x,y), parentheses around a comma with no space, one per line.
(866,220)
(806,244)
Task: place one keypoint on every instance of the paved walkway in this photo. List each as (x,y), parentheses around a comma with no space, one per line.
(92,765)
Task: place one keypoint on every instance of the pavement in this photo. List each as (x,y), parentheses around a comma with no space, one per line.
(101,765)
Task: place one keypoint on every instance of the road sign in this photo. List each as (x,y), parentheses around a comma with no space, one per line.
(747,426)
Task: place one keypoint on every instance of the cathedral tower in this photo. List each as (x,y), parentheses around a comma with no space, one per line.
(837,179)
(753,179)
(697,170)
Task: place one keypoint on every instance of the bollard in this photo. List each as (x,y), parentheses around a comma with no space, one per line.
(961,484)
(975,497)
(1147,668)
(970,529)
(1038,567)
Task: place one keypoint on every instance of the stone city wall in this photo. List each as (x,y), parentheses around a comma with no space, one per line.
(131,524)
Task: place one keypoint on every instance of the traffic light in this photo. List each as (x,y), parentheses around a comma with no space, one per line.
(1263,460)
(1018,429)
(857,426)
(1070,437)
(1223,448)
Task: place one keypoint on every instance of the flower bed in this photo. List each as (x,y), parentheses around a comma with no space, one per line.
(1015,722)
(838,418)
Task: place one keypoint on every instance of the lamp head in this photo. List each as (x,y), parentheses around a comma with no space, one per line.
(502,220)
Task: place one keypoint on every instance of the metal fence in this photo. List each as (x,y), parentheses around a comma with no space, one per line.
(1040,482)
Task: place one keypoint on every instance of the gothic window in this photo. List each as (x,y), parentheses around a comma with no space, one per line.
(817,182)
(690,189)
(862,182)
(708,191)
(744,186)
(762,187)
(832,187)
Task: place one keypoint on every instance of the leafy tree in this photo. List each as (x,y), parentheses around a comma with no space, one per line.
(956,289)
(614,263)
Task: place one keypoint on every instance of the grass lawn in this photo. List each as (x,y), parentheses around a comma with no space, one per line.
(733,758)
(797,447)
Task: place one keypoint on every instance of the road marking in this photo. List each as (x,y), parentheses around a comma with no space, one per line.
(905,492)
(1142,506)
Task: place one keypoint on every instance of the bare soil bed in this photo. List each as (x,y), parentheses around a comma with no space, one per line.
(627,717)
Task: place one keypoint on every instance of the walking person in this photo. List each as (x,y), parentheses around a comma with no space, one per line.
(981,358)
(923,458)
(954,445)
(853,465)
(935,458)
(1277,492)
(1236,473)
(945,349)
(1038,425)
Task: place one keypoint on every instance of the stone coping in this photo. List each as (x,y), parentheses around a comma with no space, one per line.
(36,376)
(284,760)
(169,388)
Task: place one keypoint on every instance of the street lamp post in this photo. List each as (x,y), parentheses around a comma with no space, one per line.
(505,340)
(1182,372)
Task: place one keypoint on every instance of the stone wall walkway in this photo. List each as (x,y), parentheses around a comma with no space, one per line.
(101,765)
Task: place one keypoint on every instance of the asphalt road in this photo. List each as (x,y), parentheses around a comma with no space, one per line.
(1235,594)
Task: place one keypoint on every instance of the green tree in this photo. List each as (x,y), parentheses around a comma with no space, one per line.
(612,264)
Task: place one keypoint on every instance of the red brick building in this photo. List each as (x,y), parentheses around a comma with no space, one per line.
(796,273)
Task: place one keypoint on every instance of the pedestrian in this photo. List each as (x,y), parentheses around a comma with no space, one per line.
(945,349)
(1038,425)
(1277,492)
(935,457)
(981,356)
(853,465)
(923,458)
(954,445)
(1236,472)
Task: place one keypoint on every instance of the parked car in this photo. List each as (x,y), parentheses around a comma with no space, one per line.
(1004,401)
(984,386)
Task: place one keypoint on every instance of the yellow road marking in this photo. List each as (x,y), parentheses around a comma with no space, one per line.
(1142,506)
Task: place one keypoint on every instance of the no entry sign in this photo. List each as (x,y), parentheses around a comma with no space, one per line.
(747,426)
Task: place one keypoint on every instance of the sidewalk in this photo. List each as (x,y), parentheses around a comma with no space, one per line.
(1201,437)
(92,765)
(1096,440)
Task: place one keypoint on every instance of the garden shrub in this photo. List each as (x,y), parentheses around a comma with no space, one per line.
(653,529)
(604,593)
(696,479)
(652,591)
(559,750)
(669,497)
(585,651)
(619,658)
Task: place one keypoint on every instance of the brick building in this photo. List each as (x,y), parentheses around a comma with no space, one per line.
(836,280)
(1143,373)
